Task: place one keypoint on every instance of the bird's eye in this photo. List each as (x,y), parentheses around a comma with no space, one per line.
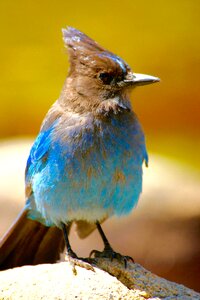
(106,78)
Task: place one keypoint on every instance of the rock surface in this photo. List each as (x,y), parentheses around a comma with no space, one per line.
(57,281)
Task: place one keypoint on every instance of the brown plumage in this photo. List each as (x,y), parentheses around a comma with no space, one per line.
(88,61)
(30,243)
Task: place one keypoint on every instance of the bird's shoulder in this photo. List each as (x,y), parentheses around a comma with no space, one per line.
(59,124)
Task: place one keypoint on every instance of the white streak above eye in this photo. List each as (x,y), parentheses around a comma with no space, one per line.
(121,64)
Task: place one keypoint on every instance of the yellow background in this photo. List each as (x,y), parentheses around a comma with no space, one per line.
(160,38)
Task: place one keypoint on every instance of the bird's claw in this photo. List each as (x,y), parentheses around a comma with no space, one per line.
(108,252)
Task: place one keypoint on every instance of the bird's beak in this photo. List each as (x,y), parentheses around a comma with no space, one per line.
(140,79)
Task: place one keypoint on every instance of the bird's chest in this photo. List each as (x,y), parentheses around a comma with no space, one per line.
(101,160)
(102,153)
(93,173)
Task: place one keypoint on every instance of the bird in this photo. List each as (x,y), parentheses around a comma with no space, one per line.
(86,163)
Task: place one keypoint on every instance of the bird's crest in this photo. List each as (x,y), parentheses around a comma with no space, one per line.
(78,41)
(85,51)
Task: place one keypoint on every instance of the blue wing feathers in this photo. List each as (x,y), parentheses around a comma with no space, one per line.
(38,151)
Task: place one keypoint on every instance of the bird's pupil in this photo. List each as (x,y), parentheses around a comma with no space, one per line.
(106,77)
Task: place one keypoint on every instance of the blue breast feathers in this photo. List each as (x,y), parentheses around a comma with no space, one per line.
(86,169)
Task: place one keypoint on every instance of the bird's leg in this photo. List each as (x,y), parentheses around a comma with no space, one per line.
(70,252)
(108,252)
(71,255)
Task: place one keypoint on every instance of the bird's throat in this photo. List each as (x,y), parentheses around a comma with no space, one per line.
(114,106)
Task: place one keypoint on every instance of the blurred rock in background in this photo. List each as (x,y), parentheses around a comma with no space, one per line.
(162,233)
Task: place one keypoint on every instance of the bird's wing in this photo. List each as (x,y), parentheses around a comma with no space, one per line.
(38,155)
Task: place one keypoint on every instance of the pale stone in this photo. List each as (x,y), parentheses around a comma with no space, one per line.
(57,281)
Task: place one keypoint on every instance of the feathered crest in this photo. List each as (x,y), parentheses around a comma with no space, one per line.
(78,41)
(80,47)
(84,51)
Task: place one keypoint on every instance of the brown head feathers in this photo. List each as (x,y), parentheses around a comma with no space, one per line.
(86,52)
(96,75)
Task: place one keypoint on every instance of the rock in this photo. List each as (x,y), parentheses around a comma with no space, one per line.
(57,281)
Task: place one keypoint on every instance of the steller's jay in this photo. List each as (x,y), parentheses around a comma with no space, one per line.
(86,162)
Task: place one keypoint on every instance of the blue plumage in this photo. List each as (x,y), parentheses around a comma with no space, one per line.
(89,172)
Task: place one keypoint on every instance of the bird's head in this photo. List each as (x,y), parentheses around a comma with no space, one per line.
(97,73)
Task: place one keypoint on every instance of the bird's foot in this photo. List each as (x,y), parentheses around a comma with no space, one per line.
(74,261)
(108,252)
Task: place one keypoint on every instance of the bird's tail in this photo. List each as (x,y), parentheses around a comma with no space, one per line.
(28,242)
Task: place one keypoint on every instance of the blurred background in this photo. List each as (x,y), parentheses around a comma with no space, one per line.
(160,38)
